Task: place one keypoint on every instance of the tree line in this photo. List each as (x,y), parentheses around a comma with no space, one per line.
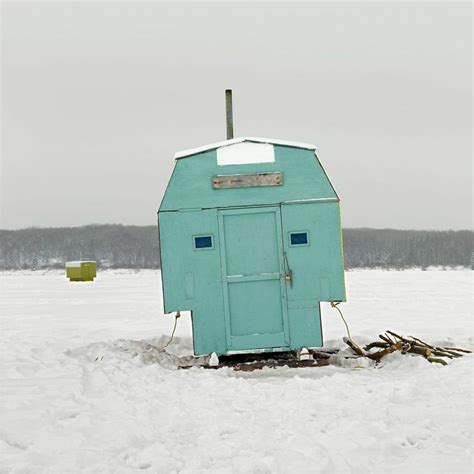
(121,246)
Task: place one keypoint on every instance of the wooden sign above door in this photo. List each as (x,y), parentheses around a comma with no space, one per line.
(247,180)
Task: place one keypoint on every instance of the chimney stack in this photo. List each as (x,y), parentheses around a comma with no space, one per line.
(228,114)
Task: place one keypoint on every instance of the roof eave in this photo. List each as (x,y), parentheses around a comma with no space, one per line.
(213,146)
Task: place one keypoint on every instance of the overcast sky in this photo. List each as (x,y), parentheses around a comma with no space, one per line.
(97,98)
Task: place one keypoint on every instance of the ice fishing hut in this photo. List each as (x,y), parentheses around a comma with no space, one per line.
(251,243)
(81,271)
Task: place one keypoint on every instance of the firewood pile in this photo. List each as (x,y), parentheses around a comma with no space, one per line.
(392,342)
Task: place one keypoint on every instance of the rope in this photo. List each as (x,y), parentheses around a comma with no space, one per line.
(178,314)
(335,305)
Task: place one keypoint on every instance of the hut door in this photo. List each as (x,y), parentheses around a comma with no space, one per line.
(253,278)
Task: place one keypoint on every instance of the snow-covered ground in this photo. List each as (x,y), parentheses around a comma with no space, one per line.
(80,389)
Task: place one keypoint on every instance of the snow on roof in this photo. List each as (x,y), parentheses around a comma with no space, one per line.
(212,146)
(77,263)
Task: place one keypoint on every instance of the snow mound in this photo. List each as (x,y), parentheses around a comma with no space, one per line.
(140,353)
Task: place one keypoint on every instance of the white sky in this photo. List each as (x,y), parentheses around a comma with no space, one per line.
(97,98)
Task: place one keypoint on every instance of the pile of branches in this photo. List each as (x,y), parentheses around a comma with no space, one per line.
(391,342)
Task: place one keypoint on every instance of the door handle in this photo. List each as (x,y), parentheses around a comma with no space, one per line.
(288,272)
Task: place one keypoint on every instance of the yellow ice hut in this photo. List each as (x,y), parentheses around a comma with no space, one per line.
(81,271)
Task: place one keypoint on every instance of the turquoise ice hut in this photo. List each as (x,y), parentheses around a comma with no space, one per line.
(251,244)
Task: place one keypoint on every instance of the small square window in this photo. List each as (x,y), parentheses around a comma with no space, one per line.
(203,242)
(299,238)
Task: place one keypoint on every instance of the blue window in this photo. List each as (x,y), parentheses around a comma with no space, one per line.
(203,242)
(299,238)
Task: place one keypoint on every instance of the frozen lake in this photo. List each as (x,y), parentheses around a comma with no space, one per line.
(61,410)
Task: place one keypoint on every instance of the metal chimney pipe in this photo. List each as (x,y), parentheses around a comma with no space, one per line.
(228,114)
